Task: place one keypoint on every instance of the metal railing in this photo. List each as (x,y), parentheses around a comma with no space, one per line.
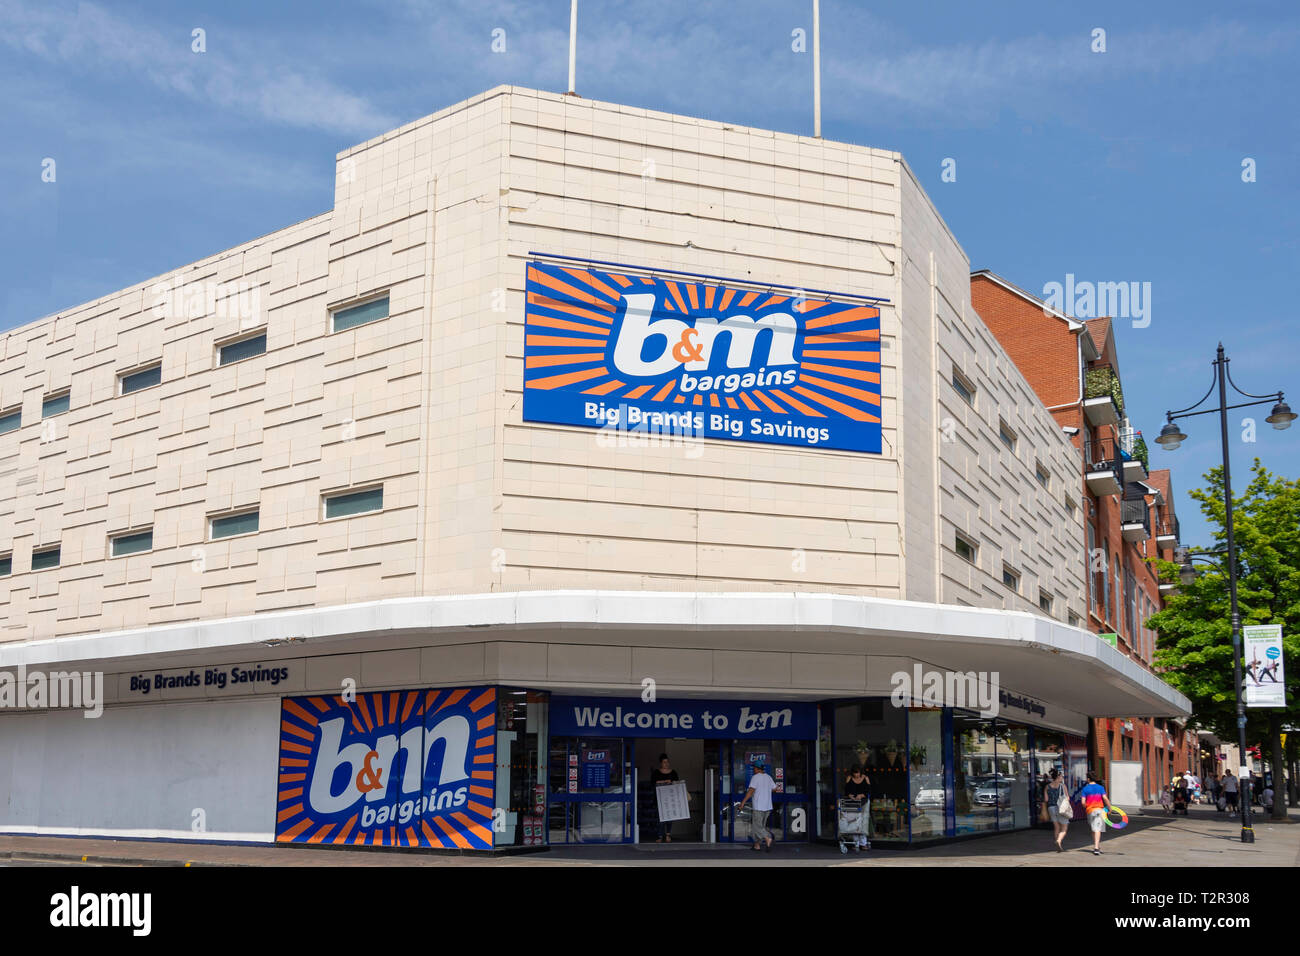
(1169,525)
(1135,511)
(1104,454)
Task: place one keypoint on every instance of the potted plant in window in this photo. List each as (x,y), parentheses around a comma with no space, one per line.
(891,751)
(864,753)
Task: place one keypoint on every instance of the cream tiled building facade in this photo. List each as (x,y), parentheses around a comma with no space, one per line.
(442,216)
(508,550)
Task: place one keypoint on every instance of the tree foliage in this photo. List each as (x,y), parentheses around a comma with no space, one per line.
(1194,648)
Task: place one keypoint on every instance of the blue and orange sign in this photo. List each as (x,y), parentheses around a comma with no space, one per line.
(397,768)
(692,359)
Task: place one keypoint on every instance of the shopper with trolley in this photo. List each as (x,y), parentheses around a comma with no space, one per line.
(854,812)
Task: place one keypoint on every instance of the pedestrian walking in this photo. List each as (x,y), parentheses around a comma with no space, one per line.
(1057,803)
(1230,790)
(1182,793)
(760,790)
(1096,804)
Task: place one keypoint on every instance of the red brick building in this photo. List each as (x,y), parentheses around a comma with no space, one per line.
(1128,509)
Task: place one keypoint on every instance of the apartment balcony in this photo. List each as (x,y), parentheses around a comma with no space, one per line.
(1167,533)
(1135,462)
(1103,399)
(1135,520)
(1103,467)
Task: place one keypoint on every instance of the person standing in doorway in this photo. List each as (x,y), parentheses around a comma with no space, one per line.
(1053,793)
(663,774)
(1096,804)
(760,790)
(1230,790)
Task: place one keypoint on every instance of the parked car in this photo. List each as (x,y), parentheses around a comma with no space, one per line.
(929,798)
(997,793)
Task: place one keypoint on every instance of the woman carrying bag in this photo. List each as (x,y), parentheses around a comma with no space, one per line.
(1056,803)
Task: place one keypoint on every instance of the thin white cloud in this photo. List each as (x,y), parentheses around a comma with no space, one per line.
(1038,73)
(697,58)
(236,74)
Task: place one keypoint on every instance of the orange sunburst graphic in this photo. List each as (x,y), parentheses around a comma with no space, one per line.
(412,741)
(696,352)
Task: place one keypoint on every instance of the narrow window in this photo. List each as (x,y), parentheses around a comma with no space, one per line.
(354,503)
(1045,601)
(963,387)
(6,565)
(56,404)
(45,558)
(227,526)
(241,349)
(354,315)
(966,548)
(11,420)
(133,543)
(1045,479)
(1007,435)
(1011,579)
(145,378)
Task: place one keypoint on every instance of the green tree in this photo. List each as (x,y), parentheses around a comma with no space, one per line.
(1194,648)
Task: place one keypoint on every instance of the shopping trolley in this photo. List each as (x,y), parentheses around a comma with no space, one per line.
(853,820)
(740,816)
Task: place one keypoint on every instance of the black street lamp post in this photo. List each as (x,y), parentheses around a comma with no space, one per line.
(1170,438)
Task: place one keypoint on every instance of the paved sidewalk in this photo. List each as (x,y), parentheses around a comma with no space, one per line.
(1201,839)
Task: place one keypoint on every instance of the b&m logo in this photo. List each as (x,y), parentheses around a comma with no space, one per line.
(400,768)
(604,349)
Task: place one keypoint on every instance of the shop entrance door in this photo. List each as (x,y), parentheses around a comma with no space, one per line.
(591,790)
(691,759)
(788,764)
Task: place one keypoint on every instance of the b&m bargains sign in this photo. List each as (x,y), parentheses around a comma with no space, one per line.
(691,359)
(398,768)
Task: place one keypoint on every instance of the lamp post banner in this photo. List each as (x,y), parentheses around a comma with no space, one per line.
(1265,680)
(663,358)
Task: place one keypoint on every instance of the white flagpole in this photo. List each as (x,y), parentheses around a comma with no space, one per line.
(817,69)
(573,45)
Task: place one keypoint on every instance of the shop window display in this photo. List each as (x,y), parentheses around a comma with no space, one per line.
(1014,783)
(925,779)
(977,787)
(1076,762)
(520,786)
(873,735)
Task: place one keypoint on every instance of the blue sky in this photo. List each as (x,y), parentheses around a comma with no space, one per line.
(1117,166)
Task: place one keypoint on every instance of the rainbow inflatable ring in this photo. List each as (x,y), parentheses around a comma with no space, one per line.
(1123,818)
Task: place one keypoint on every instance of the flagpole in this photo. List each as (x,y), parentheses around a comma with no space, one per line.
(817,69)
(573,46)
